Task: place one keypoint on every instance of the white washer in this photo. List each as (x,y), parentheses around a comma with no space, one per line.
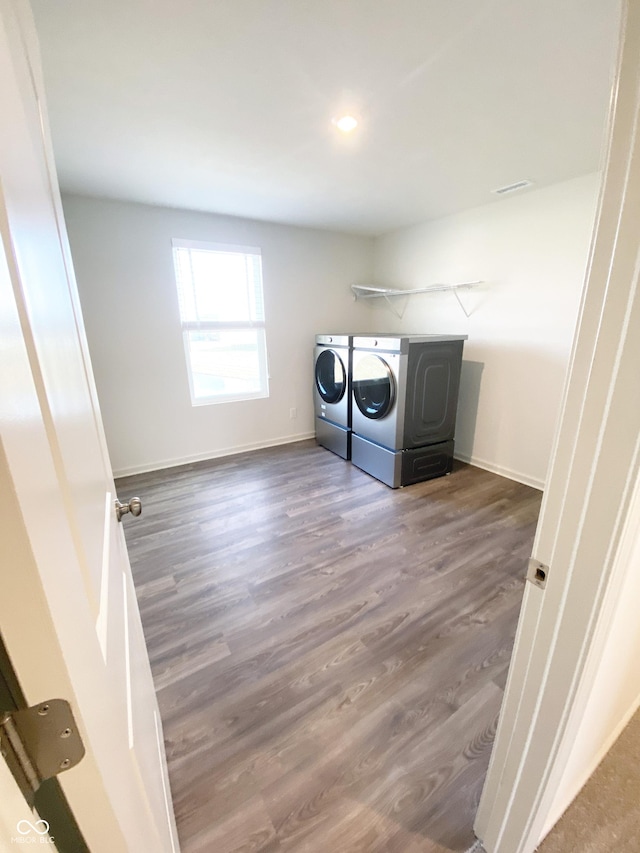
(332,393)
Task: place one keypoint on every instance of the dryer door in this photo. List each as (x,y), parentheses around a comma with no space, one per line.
(374,387)
(331,376)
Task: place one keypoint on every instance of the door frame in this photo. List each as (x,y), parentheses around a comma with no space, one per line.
(590,510)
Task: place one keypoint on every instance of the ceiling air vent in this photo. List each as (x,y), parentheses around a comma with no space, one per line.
(511,188)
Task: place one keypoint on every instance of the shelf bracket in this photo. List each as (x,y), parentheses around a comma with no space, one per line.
(399,312)
(457,296)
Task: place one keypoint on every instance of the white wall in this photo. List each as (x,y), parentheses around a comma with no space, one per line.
(531,252)
(124,266)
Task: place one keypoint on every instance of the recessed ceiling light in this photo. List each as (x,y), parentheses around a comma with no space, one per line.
(345,123)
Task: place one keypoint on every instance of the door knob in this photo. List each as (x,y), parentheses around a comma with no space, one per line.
(134,507)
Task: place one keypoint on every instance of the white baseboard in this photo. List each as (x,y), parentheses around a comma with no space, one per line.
(291,439)
(213,454)
(503,472)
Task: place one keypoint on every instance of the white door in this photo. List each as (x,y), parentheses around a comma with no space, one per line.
(68,611)
(589,514)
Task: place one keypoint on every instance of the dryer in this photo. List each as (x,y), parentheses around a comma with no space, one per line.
(332,393)
(405,396)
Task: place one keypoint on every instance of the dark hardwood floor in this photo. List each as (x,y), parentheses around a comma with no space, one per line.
(329,654)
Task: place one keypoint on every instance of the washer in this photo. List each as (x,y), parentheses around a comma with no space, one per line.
(405,396)
(332,393)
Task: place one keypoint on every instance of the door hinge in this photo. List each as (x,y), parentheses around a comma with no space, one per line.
(39,742)
(537,573)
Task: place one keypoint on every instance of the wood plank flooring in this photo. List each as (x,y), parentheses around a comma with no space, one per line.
(329,654)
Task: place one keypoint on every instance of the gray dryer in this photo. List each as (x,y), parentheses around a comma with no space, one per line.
(405,397)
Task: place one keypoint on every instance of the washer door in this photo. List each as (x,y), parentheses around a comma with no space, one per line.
(331,377)
(374,388)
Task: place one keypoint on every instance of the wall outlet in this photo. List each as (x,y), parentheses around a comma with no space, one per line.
(293,413)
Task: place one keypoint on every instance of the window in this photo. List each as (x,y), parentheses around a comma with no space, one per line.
(222,314)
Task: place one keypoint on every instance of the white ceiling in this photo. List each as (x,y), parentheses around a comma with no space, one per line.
(226,105)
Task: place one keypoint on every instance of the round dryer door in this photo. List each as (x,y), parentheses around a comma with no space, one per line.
(331,377)
(374,388)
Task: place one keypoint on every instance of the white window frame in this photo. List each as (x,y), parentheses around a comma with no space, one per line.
(217,325)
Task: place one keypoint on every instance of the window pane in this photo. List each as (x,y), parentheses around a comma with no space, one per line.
(227,363)
(219,286)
